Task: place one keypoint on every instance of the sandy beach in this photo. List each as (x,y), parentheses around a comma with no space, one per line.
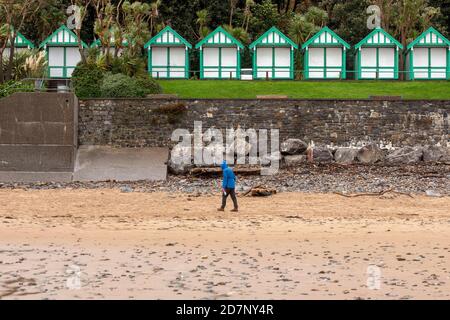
(103,244)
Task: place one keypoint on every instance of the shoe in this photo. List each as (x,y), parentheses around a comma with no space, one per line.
(221,209)
(235,210)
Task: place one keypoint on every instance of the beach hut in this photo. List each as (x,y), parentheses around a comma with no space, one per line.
(273,56)
(325,56)
(220,56)
(62,52)
(428,57)
(377,56)
(168,55)
(20,44)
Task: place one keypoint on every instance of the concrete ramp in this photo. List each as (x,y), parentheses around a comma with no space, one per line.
(100,163)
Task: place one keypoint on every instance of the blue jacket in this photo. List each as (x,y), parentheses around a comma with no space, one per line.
(229,179)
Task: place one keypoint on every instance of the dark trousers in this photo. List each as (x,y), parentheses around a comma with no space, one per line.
(232,193)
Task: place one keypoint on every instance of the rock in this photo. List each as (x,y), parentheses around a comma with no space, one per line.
(293,147)
(294,160)
(126,189)
(180,160)
(322,155)
(370,154)
(345,155)
(436,154)
(433,193)
(406,155)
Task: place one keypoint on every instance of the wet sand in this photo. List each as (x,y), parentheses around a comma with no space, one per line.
(103,244)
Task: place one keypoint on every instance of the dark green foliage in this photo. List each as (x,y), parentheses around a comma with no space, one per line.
(149,85)
(121,86)
(86,80)
(129,66)
(10,87)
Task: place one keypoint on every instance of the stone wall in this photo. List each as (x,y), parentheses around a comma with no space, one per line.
(150,122)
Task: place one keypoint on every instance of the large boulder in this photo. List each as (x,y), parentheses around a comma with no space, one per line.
(436,154)
(405,155)
(293,146)
(180,160)
(294,160)
(345,155)
(370,154)
(322,155)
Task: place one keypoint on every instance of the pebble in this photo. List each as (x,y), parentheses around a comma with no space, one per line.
(309,178)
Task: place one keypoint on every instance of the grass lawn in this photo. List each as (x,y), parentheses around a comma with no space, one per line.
(198,89)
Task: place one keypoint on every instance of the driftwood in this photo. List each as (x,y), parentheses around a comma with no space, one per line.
(376,194)
(213,172)
(250,190)
(259,191)
(263,192)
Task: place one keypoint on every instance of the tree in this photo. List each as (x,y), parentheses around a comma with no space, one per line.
(233,4)
(14,14)
(239,33)
(136,16)
(247,14)
(305,25)
(78,20)
(103,23)
(202,21)
(265,15)
(154,14)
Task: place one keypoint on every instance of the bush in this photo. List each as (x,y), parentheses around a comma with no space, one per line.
(11,87)
(149,85)
(86,80)
(132,67)
(121,86)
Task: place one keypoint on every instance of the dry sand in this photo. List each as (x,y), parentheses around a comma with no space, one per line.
(159,245)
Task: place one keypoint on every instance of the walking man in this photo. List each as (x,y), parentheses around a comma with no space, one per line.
(228,187)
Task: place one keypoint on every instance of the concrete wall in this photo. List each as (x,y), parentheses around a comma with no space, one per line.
(38,132)
(150,122)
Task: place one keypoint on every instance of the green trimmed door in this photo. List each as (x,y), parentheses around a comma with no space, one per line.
(220,63)
(168,62)
(430,63)
(62,61)
(273,63)
(325,63)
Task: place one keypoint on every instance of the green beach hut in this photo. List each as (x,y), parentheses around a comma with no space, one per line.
(273,56)
(220,56)
(21,43)
(168,55)
(428,57)
(62,52)
(377,56)
(325,56)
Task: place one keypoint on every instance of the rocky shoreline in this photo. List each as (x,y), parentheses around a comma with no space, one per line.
(430,179)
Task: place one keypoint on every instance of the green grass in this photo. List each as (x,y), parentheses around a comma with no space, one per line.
(218,89)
